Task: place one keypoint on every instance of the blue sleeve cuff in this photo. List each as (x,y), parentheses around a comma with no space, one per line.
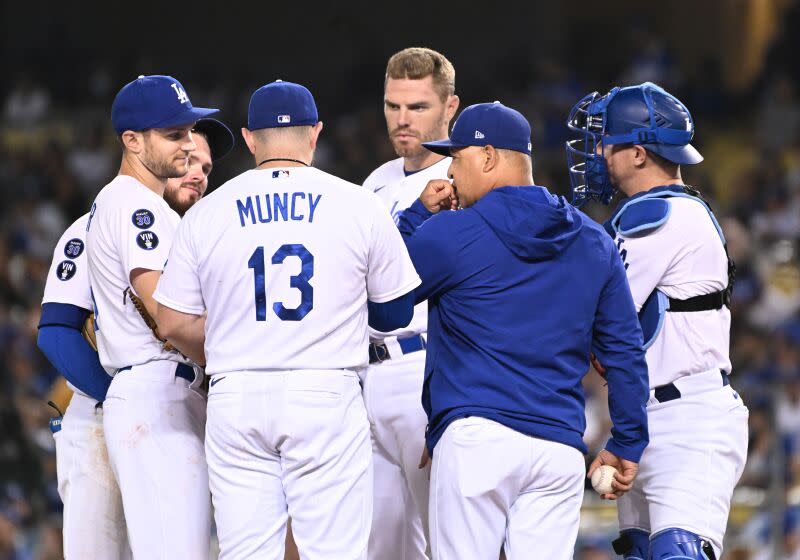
(63,314)
(412,217)
(627,452)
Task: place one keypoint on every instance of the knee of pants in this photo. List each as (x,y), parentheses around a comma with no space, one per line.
(680,544)
(633,544)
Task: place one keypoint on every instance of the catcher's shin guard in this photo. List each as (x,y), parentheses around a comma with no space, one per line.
(679,544)
(633,544)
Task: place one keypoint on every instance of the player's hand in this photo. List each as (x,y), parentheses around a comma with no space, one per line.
(623,478)
(598,367)
(425,460)
(439,194)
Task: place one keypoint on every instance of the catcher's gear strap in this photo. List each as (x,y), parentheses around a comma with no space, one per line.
(632,544)
(140,307)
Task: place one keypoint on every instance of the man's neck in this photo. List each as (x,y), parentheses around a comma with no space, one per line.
(283,158)
(651,183)
(422,160)
(132,167)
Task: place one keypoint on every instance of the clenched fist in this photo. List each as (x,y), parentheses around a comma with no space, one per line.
(439,194)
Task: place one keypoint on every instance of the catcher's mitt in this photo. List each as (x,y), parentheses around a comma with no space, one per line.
(148,320)
(88,331)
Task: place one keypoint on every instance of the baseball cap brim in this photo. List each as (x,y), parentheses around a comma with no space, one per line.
(682,155)
(442,147)
(219,137)
(185,117)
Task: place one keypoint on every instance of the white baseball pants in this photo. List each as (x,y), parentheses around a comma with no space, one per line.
(154,423)
(289,443)
(492,486)
(392,394)
(696,454)
(94,523)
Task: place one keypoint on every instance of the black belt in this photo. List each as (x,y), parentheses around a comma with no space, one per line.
(184,371)
(670,392)
(378,352)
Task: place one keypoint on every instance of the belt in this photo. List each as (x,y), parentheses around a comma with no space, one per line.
(378,352)
(184,371)
(669,392)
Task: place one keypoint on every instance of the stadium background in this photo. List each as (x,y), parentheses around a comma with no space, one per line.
(730,61)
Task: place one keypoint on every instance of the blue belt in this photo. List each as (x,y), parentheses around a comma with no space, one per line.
(669,392)
(378,352)
(184,371)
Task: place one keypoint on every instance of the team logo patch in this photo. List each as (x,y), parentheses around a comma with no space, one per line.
(143,219)
(147,240)
(73,248)
(66,270)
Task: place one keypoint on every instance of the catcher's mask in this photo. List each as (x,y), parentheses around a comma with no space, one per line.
(644,115)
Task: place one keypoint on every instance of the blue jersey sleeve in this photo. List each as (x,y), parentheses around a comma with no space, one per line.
(61,341)
(391,315)
(618,346)
(434,248)
(411,218)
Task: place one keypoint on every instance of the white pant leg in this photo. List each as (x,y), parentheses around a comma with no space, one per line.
(392,395)
(94,522)
(475,477)
(312,426)
(154,425)
(327,465)
(696,454)
(546,515)
(244,466)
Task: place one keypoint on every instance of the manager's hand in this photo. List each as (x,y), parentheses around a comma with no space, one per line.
(438,195)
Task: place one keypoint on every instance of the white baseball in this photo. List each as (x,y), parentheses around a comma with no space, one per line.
(602,478)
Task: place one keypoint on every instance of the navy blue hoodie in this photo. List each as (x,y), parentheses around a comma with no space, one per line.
(521,287)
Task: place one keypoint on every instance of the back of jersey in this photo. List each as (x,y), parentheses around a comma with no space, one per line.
(283,262)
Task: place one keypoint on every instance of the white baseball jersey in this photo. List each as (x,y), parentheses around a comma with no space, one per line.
(682,258)
(397,192)
(129,227)
(283,262)
(68,279)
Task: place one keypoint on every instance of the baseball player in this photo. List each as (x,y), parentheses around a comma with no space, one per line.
(520,287)
(635,139)
(419,103)
(269,281)
(154,410)
(93,519)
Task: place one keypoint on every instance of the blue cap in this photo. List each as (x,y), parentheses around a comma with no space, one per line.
(487,124)
(154,102)
(281,104)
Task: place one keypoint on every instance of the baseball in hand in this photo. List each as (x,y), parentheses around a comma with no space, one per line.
(602,477)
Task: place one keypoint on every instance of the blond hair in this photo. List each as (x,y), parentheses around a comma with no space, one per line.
(416,63)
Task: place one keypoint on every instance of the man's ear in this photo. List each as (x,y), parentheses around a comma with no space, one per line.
(639,155)
(490,158)
(132,141)
(248,139)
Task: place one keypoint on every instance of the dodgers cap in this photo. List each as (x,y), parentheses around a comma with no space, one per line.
(154,102)
(487,124)
(279,104)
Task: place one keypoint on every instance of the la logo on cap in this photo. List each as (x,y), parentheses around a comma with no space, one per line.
(182,97)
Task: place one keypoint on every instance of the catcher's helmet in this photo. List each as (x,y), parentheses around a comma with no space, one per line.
(644,114)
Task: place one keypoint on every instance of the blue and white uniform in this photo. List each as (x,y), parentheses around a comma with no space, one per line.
(94,523)
(521,287)
(673,250)
(392,386)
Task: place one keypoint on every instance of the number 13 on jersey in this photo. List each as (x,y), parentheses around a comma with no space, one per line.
(300,282)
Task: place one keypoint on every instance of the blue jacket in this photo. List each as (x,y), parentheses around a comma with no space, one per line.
(521,287)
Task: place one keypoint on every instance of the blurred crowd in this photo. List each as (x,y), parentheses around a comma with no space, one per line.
(57,150)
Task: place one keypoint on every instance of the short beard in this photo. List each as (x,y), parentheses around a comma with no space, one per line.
(427,136)
(162,168)
(173,200)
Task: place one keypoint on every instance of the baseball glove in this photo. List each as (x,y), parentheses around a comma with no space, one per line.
(88,331)
(148,320)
